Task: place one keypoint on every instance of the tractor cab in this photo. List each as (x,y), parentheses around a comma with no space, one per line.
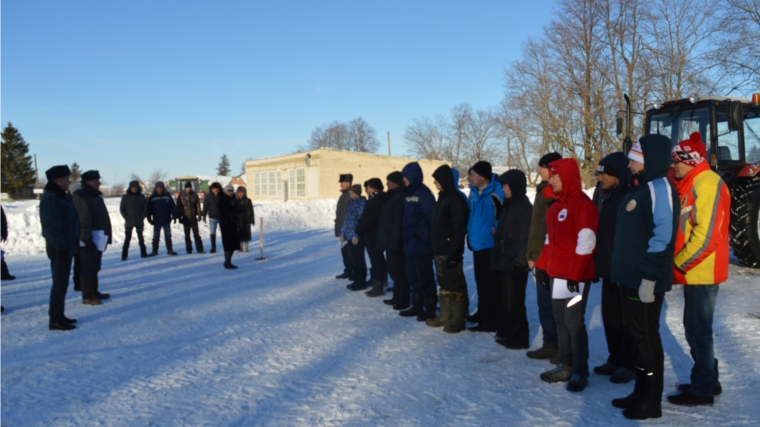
(195,182)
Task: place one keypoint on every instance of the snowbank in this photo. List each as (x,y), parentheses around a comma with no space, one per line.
(25,231)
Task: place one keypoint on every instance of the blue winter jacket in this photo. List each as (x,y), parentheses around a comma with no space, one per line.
(484,214)
(161,208)
(418,213)
(353,213)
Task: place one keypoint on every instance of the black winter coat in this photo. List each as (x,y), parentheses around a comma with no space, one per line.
(211,205)
(390,228)
(92,212)
(134,209)
(370,219)
(229,208)
(245,219)
(609,203)
(511,239)
(449,227)
(60,222)
(340,211)
(161,209)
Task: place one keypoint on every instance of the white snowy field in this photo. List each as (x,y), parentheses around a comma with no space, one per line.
(281,342)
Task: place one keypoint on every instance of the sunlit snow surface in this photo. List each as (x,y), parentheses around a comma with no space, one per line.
(282,343)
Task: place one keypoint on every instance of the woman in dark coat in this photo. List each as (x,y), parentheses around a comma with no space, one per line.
(228,210)
(245,218)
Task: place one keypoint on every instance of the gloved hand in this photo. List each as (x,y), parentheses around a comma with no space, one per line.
(518,272)
(341,239)
(452,261)
(646,291)
(573,286)
(64,255)
(90,245)
(355,240)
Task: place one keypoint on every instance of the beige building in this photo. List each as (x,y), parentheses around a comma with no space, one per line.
(313,175)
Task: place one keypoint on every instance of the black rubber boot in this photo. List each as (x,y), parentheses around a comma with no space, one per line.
(143,251)
(213,243)
(431,307)
(155,249)
(169,250)
(416,309)
(124,253)
(377,289)
(228,260)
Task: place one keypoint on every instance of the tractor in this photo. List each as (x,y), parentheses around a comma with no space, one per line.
(730,128)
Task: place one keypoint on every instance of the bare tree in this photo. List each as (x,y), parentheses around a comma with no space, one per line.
(480,141)
(461,118)
(426,138)
(362,137)
(356,135)
(738,42)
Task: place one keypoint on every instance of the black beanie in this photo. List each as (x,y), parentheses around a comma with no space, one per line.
(188,185)
(548,158)
(483,169)
(90,175)
(396,178)
(376,184)
(57,172)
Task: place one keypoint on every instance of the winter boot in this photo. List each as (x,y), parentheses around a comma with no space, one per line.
(155,249)
(169,250)
(547,351)
(377,289)
(458,311)
(124,253)
(228,260)
(143,251)
(416,309)
(89,290)
(560,373)
(444,318)
(213,243)
(431,305)
(474,317)
(637,396)
(622,375)
(645,408)
(606,368)
(577,383)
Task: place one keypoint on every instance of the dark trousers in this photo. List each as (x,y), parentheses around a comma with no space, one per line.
(618,338)
(192,224)
(378,269)
(545,307)
(128,238)
(450,277)
(157,234)
(358,262)
(512,318)
(60,270)
(397,271)
(348,267)
(419,272)
(644,324)
(488,286)
(699,306)
(572,336)
(90,260)
(4,270)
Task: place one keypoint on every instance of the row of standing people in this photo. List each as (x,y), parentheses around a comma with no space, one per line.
(631,237)
(77,229)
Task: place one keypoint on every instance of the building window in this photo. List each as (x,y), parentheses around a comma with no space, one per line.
(292,183)
(264,184)
(272,184)
(300,182)
(256,184)
(279,184)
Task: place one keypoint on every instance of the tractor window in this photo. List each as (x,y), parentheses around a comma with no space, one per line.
(752,136)
(679,123)
(728,142)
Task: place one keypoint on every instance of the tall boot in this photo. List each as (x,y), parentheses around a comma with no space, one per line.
(124,253)
(416,309)
(458,313)
(143,250)
(89,290)
(431,305)
(101,296)
(649,406)
(155,249)
(169,250)
(228,260)
(377,289)
(444,318)
(245,246)
(213,243)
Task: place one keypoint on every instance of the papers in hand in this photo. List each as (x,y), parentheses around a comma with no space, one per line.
(99,238)
(560,291)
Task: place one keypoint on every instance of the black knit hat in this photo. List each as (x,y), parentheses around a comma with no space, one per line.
(482,168)
(396,177)
(356,189)
(346,177)
(376,184)
(548,158)
(90,175)
(57,172)
(188,185)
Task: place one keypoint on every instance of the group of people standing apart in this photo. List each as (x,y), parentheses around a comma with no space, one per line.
(659,217)
(77,229)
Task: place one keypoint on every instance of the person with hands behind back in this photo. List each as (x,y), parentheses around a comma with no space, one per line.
(348,236)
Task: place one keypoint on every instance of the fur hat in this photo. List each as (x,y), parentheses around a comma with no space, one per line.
(90,176)
(346,177)
(159,184)
(57,172)
(690,151)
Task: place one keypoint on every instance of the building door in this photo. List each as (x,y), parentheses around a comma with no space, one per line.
(285,190)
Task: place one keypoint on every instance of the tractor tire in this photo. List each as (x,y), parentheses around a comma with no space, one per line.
(745,222)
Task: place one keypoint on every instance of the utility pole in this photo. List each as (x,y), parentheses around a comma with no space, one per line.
(389,144)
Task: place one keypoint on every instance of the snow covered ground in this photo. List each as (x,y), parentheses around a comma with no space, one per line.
(281,342)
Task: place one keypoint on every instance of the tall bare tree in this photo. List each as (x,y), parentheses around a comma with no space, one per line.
(426,138)
(361,136)
(356,135)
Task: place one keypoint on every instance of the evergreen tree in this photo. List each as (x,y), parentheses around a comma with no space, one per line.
(17,171)
(224,166)
(76,173)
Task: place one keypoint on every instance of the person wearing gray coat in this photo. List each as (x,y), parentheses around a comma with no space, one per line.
(340,215)
(133,209)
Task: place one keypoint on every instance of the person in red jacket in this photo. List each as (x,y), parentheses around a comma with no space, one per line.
(568,258)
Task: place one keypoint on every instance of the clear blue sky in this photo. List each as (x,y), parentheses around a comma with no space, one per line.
(132,86)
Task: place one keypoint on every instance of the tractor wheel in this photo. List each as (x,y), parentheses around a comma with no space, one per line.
(745,222)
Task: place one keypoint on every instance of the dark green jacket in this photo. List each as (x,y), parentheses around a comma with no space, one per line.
(60,224)
(537,235)
(92,213)
(134,208)
(647,223)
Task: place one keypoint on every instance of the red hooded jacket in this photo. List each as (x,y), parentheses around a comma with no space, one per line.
(571,223)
